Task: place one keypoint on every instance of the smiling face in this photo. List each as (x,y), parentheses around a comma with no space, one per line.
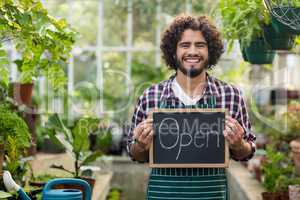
(192,53)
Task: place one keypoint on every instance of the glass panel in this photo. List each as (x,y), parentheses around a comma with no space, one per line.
(115,23)
(83,16)
(85,68)
(144,23)
(115,81)
(58,8)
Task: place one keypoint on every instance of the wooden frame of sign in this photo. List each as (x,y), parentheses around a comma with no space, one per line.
(224,164)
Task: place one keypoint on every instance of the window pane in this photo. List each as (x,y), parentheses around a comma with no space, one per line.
(144,23)
(83,16)
(85,68)
(115,23)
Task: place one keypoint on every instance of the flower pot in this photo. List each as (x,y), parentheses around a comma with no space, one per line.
(31,119)
(294,192)
(39,184)
(271,196)
(284,195)
(244,55)
(278,40)
(295,146)
(257,173)
(288,15)
(21,93)
(90,180)
(259,53)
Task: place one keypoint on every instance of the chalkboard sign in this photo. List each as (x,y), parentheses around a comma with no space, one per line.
(188,138)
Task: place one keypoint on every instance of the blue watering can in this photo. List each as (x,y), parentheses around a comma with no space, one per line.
(66,194)
(49,193)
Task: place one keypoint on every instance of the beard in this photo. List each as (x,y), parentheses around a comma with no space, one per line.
(192,72)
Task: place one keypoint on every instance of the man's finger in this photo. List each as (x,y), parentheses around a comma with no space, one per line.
(145,133)
(227,136)
(141,126)
(235,122)
(149,137)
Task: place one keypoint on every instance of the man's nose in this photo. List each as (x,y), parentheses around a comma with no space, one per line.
(192,50)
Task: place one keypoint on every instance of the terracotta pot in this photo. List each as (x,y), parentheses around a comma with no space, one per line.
(90,180)
(295,146)
(31,120)
(284,195)
(294,192)
(1,158)
(258,173)
(21,93)
(271,196)
(39,184)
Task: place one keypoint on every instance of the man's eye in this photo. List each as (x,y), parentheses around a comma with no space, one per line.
(201,45)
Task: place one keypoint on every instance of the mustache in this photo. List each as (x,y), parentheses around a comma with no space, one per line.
(193,56)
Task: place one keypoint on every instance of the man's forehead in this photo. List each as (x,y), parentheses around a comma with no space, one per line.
(192,34)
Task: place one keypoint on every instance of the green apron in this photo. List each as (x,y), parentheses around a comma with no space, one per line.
(188,183)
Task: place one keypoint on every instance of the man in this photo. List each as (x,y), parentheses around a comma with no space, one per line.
(191,46)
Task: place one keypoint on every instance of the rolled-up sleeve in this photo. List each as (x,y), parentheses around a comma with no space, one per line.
(138,116)
(243,119)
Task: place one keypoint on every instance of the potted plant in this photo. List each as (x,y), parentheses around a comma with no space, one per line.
(285,15)
(292,117)
(244,21)
(295,146)
(43,43)
(15,137)
(278,174)
(75,140)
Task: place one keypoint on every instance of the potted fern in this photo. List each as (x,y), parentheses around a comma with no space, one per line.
(43,43)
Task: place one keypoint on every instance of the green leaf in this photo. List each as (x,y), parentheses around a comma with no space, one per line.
(80,135)
(55,123)
(53,138)
(92,157)
(4,195)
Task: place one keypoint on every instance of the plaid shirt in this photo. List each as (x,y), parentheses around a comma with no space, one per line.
(226,96)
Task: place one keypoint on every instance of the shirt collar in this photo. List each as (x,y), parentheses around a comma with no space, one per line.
(210,90)
(211,87)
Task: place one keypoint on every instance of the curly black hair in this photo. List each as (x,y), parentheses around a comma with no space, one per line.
(173,33)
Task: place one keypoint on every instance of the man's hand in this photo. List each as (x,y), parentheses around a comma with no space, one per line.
(143,134)
(234,134)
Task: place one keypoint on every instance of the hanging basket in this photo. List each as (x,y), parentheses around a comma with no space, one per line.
(287,20)
(277,39)
(244,55)
(259,53)
(285,15)
(243,51)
